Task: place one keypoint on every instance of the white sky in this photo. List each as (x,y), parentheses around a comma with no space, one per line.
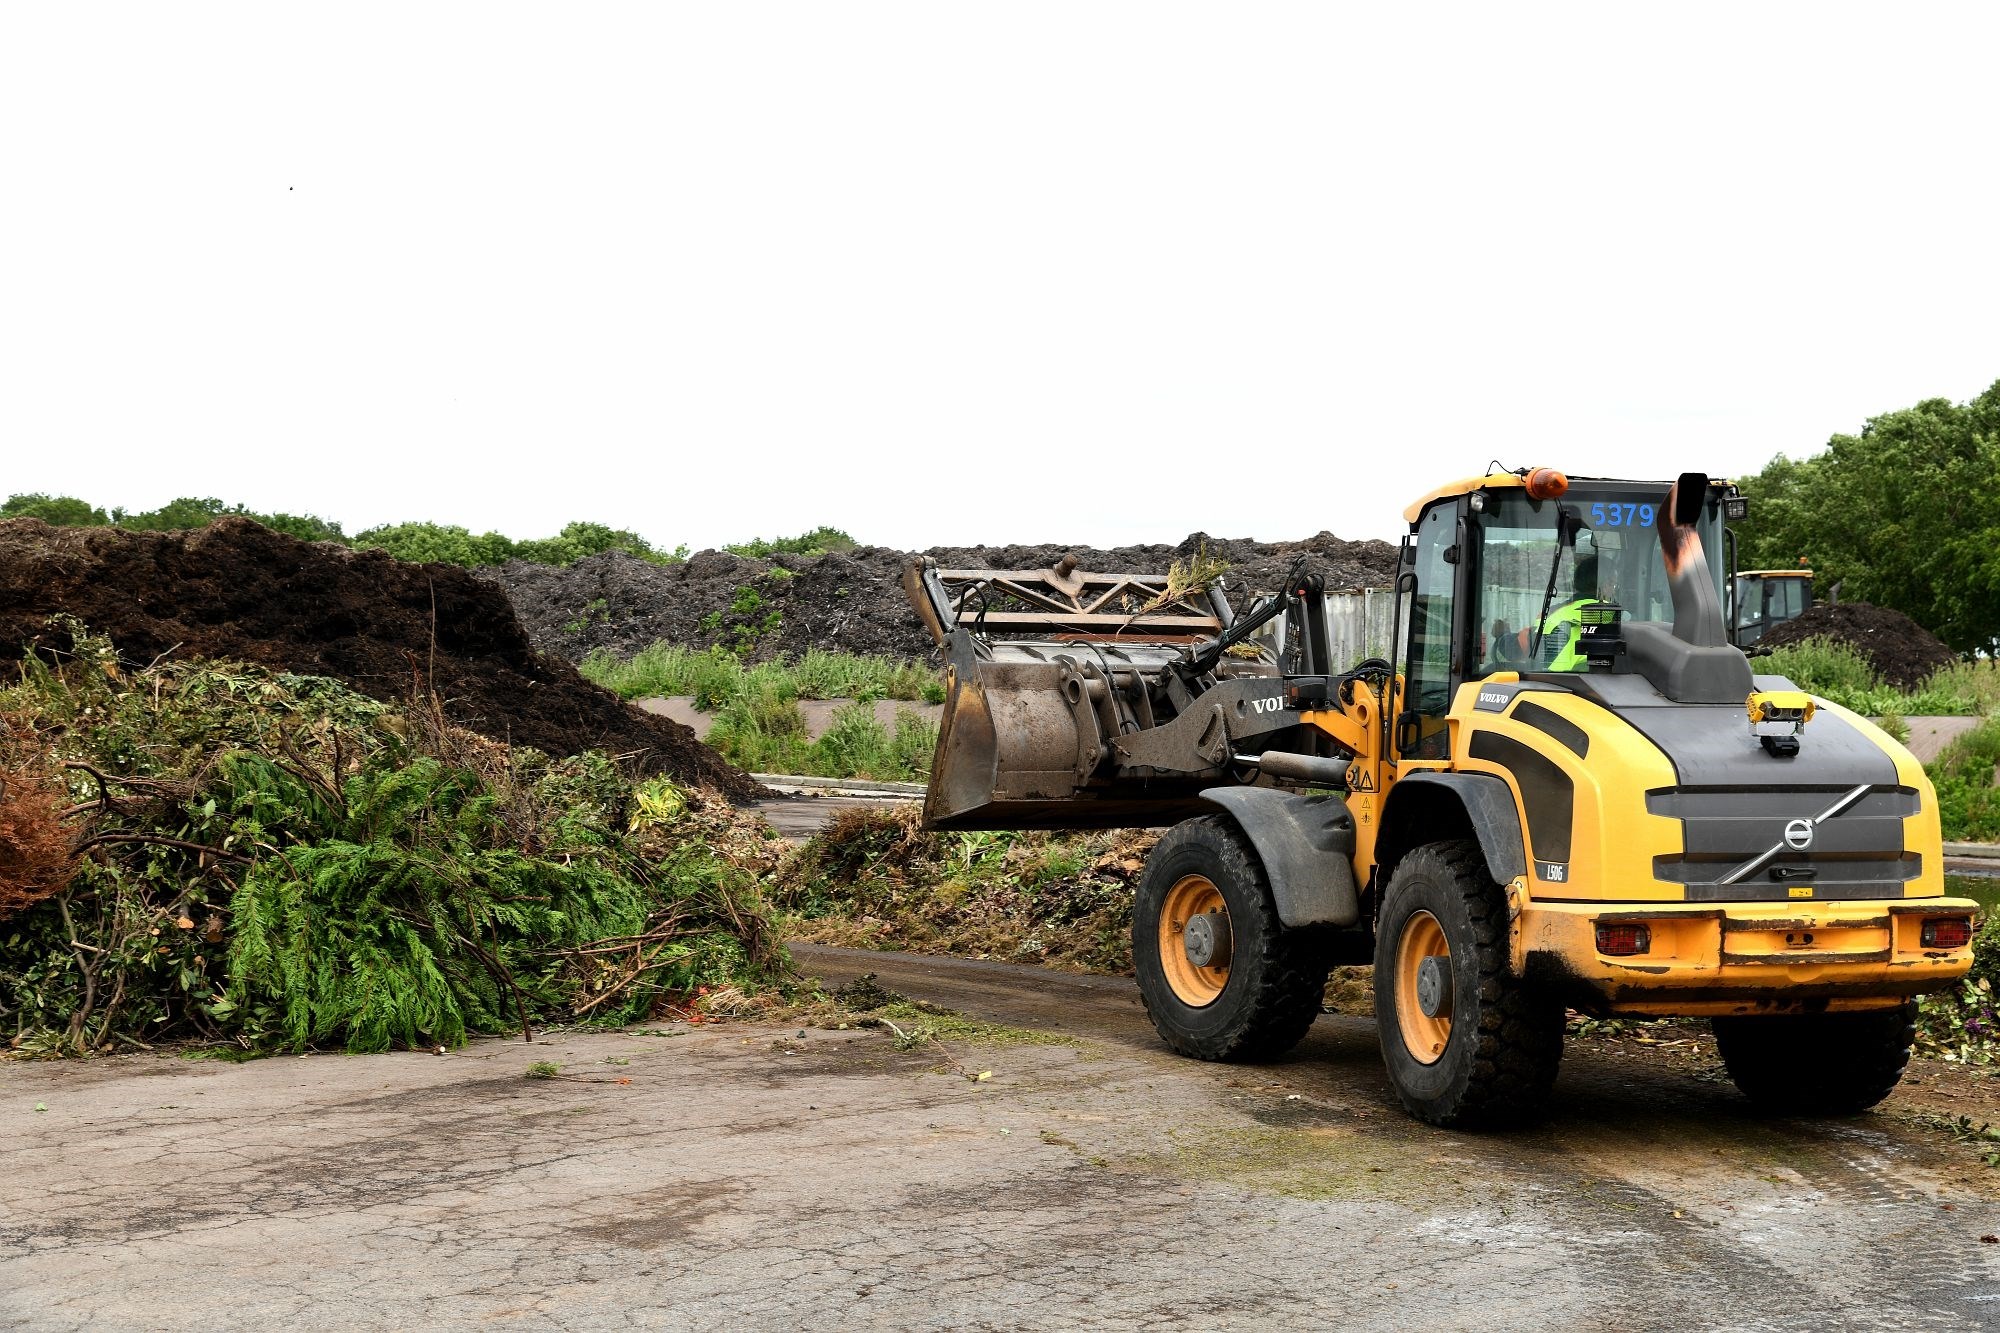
(940,274)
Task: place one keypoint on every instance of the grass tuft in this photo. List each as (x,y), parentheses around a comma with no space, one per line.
(1835,671)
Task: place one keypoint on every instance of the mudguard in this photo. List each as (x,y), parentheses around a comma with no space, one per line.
(1489,804)
(1307,846)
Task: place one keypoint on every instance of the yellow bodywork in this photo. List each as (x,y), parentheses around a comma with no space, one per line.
(1706,957)
(1464,486)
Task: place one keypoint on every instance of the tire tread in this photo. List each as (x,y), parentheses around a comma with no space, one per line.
(1291,964)
(1817,1064)
(1518,1039)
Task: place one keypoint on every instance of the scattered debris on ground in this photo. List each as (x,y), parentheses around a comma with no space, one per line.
(847,601)
(1900,651)
(875,879)
(917,1025)
(238,591)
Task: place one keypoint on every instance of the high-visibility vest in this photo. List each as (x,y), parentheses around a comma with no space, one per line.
(1570,656)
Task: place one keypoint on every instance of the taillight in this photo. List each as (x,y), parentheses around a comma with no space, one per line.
(1624,940)
(1947,932)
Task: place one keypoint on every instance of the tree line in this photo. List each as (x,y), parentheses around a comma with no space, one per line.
(441,543)
(1905,514)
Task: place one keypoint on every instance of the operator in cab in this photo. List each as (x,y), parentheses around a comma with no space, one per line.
(1561,648)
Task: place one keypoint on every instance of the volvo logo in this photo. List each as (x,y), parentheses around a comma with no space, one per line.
(1798,836)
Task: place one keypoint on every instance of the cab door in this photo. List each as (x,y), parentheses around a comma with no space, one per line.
(1434,649)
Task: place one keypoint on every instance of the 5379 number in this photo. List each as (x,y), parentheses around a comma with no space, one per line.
(1621,515)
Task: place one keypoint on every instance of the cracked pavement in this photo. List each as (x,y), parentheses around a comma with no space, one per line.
(747,1176)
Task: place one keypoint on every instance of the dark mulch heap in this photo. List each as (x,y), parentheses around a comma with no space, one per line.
(849,601)
(1901,651)
(238,590)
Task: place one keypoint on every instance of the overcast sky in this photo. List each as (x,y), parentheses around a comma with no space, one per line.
(937,273)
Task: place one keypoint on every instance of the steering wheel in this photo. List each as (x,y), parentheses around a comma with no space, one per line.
(1506,643)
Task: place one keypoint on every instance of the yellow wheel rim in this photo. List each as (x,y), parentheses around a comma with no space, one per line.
(1190,897)
(1424,1037)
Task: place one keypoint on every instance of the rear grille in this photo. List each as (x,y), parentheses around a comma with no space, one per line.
(1855,853)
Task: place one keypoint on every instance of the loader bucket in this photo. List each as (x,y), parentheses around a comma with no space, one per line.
(1030,736)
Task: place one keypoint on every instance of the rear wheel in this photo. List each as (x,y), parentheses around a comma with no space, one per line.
(1467,1043)
(1221,976)
(1817,1064)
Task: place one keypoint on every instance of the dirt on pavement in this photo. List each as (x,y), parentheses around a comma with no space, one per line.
(1901,651)
(238,590)
(849,601)
(769,1176)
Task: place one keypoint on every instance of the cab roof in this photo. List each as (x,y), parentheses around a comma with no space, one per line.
(1464,486)
(1517,480)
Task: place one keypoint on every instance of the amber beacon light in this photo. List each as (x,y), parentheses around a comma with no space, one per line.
(1545,483)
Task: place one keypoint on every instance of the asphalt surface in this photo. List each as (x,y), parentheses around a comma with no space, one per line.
(764,1176)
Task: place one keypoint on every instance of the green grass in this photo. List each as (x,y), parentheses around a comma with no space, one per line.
(758,723)
(1836,672)
(1968,802)
(713,676)
(764,732)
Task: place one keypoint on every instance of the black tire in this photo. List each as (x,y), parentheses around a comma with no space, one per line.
(1499,1059)
(1276,976)
(1817,1064)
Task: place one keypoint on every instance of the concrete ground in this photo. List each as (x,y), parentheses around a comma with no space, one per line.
(764,1176)
(1930,735)
(797,818)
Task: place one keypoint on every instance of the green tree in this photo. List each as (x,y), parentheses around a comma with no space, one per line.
(62,510)
(820,541)
(198,512)
(439,543)
(186,512)
(1905,514)
(306,527)
(579,540)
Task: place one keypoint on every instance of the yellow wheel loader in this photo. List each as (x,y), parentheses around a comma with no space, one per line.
(1566,790)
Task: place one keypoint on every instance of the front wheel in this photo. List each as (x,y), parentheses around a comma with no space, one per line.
(1221,976)
(1467,1043)
(1817,1064)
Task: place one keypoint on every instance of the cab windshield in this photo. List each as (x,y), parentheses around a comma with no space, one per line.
(1616,559)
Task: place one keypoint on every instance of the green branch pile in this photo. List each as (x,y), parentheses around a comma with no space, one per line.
(877,879)
(275,861)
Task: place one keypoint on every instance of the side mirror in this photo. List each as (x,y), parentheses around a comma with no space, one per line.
(1690,494)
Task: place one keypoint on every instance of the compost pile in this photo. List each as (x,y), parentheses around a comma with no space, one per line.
(212,851)
(236,590)
(877,879)
(1902,652)
(850,601)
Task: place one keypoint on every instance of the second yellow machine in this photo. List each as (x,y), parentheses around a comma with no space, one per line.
(1562,787)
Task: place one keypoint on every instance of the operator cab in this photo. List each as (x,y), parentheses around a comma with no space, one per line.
(1762,599)
(1497,587)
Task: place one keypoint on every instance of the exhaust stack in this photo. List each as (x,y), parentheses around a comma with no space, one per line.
(1694,663)
(1697,610)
